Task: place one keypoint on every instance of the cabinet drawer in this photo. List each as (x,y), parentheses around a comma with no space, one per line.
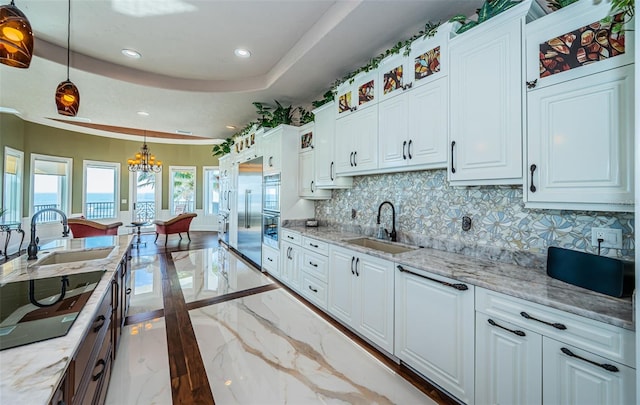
(315,245)
(314,290)
(270,259)
(596,337)
(315,265)
(291,237)
(98,375)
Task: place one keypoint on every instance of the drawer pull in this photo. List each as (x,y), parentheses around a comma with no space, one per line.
(315,290)
(555,325)
(128,291)
(313,245)
(104,366)
(290,237)
(515,332)
(270,259)
(100,319)
(313,264)
(608,367)
(457,286)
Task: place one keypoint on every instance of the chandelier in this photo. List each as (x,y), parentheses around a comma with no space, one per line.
(144,161)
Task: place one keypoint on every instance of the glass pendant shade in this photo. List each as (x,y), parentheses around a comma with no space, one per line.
(67,99)
(16,38)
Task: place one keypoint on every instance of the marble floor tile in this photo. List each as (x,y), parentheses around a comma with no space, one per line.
(212,272)
(267,348)
(146,284)
(140,374)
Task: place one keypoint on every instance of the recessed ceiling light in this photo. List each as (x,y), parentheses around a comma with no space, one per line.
(131,53)
(242,53)
(143,113)
(183,132)
(230,127)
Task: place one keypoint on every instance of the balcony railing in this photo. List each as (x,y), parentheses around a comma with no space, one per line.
(145,211)
(49,216)
(97,210)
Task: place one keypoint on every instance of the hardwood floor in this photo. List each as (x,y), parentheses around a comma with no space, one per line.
(189,382)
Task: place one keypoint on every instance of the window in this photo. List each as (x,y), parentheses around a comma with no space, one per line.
(100,189)
(12,192)
(182,189)
(50,185)
(211,190)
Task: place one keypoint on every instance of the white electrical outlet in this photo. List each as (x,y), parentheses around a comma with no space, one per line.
(611,238)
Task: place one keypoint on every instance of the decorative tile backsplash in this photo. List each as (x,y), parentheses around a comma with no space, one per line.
(428,207)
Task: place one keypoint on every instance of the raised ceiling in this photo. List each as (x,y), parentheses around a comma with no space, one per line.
(188,78)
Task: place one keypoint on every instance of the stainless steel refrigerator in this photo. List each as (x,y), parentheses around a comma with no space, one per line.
(250,210)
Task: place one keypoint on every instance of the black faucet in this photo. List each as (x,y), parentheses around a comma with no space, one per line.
(393,234)
(32,249)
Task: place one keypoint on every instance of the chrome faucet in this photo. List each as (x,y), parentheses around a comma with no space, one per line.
(32,249)
(393,234)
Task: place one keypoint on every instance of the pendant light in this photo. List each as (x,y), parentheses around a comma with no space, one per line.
(67,94)
(16,38)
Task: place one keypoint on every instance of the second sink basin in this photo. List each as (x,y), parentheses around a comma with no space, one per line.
(74,256)
(376,244)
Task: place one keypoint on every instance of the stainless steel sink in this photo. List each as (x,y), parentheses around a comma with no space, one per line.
(74,256)
(383,246)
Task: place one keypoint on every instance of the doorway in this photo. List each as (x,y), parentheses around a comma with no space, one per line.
(145,195)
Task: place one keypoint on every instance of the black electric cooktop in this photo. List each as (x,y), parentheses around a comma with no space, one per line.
(35,310)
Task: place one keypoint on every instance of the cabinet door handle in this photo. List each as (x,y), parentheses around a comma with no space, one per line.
(404,146)
(608,367)
(555,325)
(102,363)
(532,84)
(515,332)
(409,149)
(315,290)
(407,86)
(357,263)
(355,162)
(331,171)
(128,291)
(270,161)
(453,169)
(353,259)
(312,188)
(457,286)
(313,264)
(532,169)
(351,159)
(100,319)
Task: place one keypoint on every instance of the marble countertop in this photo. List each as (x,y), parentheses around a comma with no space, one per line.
(531,284)
(30,374)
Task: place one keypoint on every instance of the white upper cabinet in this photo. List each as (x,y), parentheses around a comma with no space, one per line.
(412,114)
(580,105)
(486,84)
(324,146)
(357,142)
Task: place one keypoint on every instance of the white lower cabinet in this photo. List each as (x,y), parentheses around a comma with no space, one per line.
(361,294)
(576,377)
(271,260)
(290,265)
(434,333)
(508,363)
(527,353)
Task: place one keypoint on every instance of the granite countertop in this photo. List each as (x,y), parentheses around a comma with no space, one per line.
(531,284)
(30,374)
